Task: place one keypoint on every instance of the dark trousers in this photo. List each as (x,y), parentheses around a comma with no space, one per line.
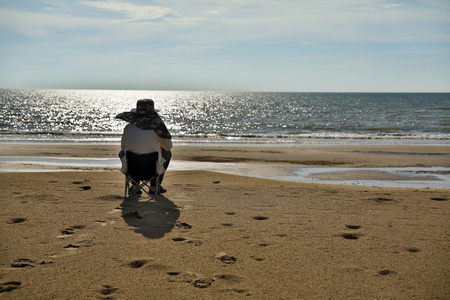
(137,165)
(167,155)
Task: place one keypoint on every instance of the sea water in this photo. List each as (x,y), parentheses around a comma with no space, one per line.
(226,117)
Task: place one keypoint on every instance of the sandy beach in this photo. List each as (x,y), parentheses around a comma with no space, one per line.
(72,235)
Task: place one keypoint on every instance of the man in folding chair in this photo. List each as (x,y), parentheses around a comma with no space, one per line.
(145,140)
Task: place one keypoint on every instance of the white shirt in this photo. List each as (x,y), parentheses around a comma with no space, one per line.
(142,141)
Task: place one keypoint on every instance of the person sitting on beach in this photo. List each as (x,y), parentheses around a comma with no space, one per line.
(146,133)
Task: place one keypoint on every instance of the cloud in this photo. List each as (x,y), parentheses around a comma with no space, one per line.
(131,12)
(43,25)
(294,37)
(391,5)
(316,45)
(201,22)
(194,48)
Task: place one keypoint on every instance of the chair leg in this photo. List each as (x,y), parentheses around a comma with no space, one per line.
(141,187)
(131,184)
(158,184)
(157,188)
(126,186)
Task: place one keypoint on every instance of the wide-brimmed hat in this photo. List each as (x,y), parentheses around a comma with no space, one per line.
(145,117)
(144,107)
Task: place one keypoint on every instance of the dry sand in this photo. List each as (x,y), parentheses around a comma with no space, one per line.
(71,235)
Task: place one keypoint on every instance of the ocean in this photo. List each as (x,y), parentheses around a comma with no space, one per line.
(229,117)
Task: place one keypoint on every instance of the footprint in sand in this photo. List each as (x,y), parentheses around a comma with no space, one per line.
(349,226)
(78,227)
(9,286)
(107,290)
(197,280)
(241,291)
(65,233)
(260,218)
(439,199)
(193,241)
(226,259)
(85,187)
(17,220)
(138,263)
(257,258)
(413,250)
(385,272)
(173,273)
(101,222)
(72,246)
(230,213)
(156,267)
(202,282)
(350,236)
(183,225)
(381,199)
(23,263)
(231,278)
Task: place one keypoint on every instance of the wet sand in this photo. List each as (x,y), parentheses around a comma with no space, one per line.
(307,155)
(71,235)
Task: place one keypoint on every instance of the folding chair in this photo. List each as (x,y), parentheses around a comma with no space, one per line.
(142,168)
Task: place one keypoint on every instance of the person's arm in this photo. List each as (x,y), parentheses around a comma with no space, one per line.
(166,144)
(124,138)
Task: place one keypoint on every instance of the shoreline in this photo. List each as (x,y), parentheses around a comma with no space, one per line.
(299,155)
(405,177)
(309,141)
(403,166)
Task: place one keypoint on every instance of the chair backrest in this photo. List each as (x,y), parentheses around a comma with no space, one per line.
(142,166)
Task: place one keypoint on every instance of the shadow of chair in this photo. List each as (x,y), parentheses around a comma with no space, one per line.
(152,219)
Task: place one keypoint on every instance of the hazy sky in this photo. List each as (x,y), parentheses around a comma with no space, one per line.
(227,45)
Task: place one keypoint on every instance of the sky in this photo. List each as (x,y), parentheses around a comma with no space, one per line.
(226,45)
